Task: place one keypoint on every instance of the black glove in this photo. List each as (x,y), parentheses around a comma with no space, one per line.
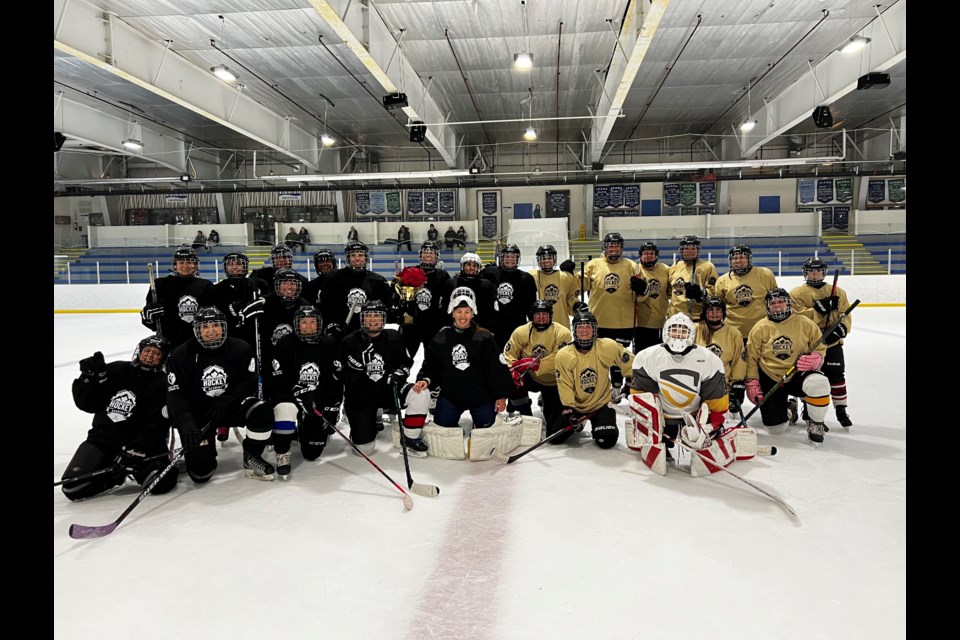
(190,434)
(580,306)
(94,368)
(331,415)
(246,311)
(693,291)
(150,315)
(638,285)
(624,390)
(334,330)
(225,411)
(838,334)
(738,391)
(826,305)
(128,461)
(304,395)
(398,377)
(568,266)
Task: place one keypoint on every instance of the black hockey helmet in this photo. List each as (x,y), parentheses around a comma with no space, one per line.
(689,241)
(356,247)
(713,302)
(778,293)
(741,250)
(152,341)
(429,247)
(649,246)
(373,308)
(538,306)
(287,275)
(185,253)
(511,249)
(205,316)
(815,264)
(321,256)
(237,258)
(281,256)
(304,312)
(583,318)
(547,251)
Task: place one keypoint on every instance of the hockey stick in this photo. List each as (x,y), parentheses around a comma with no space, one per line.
(783,379)
(407,500)
(80,532)
(428,490)
(154,299)
(98,472)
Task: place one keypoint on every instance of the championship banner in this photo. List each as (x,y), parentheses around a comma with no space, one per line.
(825,190)
(807,191)
(362,201)
(688,194)
(844,187)
(558,204)
(671,194)
(489,213)
(631,195)
(446,201)
(393,203)
(601,196)
(898,189)
(876,190)
(414,202)
(378,202)
(708,193)
(430,203)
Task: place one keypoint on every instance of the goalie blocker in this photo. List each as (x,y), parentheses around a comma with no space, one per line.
(644,434)
(506,434)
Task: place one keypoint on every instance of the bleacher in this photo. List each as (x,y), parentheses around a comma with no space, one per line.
(128,265)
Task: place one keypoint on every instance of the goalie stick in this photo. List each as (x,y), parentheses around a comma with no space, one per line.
(98,472)
(407,500)
(427,490)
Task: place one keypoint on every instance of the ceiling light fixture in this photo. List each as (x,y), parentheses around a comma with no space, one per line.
(721,164)
(530,134)
(132,144)
(854,44)
(748,124)
(134,141)
(326,139)
(221,70)
(524,59)
(396,175)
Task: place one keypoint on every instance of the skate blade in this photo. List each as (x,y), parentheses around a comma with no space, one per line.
(250,473)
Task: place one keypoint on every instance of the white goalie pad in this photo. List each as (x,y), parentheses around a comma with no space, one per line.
(442,442)
(504,436)
(644,431)
(532,427)
(739,443)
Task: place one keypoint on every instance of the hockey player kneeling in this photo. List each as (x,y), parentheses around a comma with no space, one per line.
(672,383)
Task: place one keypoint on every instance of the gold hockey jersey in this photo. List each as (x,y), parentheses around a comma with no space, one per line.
(803,298)
(681,273)
(744,297)
(727,344)
(527,342)
(560,288)
(611,298)
(583,379)
(652,306)
(774,347)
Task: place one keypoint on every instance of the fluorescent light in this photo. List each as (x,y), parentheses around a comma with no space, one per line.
(223,72)
(720,164)
(748,125)
(327,140)
(133,144)
(537,170)
(522,60)
(396,175)
(530,134)
(854,44)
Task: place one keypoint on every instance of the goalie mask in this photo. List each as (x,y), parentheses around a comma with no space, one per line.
(679,334)
(373,317)
(462,296)
(151,354)
(307,324)
(584,319)
(210,327)
(815,272)
(778,305)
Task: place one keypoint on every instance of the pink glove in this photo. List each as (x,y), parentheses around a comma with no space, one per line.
(522,365)
(715,419)
(754,394)
(809,362)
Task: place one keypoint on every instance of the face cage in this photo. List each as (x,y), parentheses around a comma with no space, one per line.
(219,342)
(283,256)
(310,338)
(366,259)
(818,283)
(428,266)
(277,283)
(363,321)
(194,261)
(779,315)
(541,326)
(146,367)
(549,254)
(677,345)
(239,261)
(741,270)
(584,343)
(607,245)
(503,260)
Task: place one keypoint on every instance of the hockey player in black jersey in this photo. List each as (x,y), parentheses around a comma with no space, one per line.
(281,257)
(515,290)
(129,431)
(371,361)
(349,288)
(212,382)
(179,295)
(484,293)
(427,310)
(304,379)
(237,296)
(324,262)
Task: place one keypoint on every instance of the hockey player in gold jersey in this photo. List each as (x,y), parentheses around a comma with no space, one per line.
(652,304)
(725,342)
(556,286)
(743,288)
(690,279)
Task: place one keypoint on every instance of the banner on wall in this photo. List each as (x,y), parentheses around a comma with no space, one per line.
(433,205)
(371,206)
(558,203)
(489,207)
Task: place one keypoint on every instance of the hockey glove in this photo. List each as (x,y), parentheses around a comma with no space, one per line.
(809,362)
(715,418)
(94,369)
(247,311)
(568,266)
(304,395)
(399,377)
(128,461)
(190,435)
(150,315)
(580,306)
(754,394)
(638,285)
(737,392)
(693,291)
(838,334)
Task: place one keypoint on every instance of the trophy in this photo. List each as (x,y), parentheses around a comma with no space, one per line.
(407,282)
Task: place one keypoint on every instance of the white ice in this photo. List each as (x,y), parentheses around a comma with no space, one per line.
(568,542)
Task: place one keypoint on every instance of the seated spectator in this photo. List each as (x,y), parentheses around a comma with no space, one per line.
(214,238)
(462,237)
(200,241)
(432,234)
(292,240)
(304,238)
(352,235)
(450,237)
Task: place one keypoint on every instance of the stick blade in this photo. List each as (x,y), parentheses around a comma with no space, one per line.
(407,502)
(426,490)
(82,532)
(500,457)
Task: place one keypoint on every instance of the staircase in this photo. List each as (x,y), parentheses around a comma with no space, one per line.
(258,256)
(581,250)
(863,262)
(61,257)
(487,250)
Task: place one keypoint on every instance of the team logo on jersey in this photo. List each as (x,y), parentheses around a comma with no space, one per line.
(374,365)
(678,286)
(279,331)
(505,293)
(213,381)
(782,347)
(310,374)
(550,292)
(171,378)
(186,308)
(653,288)
(744,295)
(355,299)
(588,380)
(423,298)
(679,386)
(121,405)
(715,349)
(460,358)
(611,282)
(539,351)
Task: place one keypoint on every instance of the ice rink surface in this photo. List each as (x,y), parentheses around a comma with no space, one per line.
(569,542)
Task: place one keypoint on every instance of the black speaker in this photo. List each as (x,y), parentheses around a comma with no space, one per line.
(596,166)
(418,131)
(873,80)
(58,140)
(395,100)
(822,117)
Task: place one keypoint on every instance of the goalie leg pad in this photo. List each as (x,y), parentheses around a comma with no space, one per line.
(442,442)
(504,437)
(644,431)
(720,453)
(744,442)
(531,428)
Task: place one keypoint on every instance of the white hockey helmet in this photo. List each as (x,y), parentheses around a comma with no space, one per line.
(462,295)
(679,333)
